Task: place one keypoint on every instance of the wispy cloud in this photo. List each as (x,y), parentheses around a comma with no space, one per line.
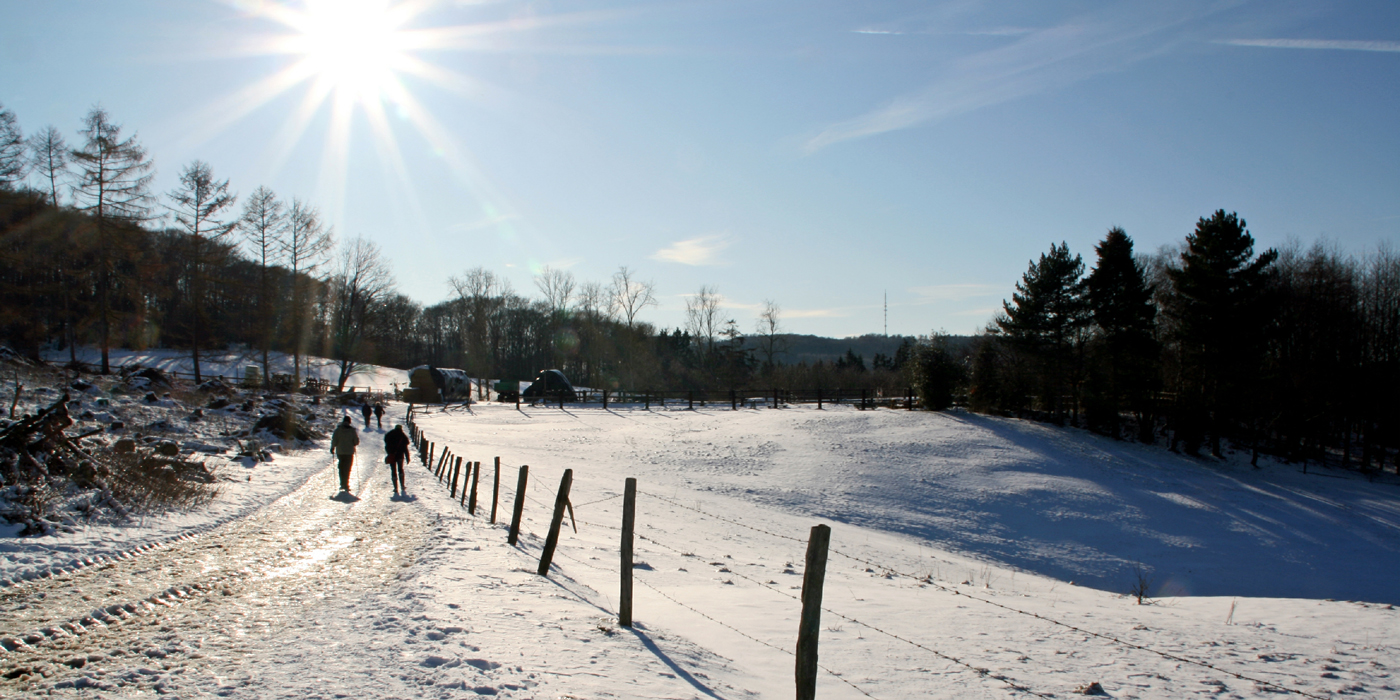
(696,251)
(1319,44)
(953,292)
(991,31)
(1042,60)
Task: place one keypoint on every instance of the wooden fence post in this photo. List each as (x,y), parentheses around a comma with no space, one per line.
(733,400)
(813,576)
(910,400)
(819,398)
(646,396)
(472,468)
(605,399)
(552,539)
(519,505)
(495,490)
(629,521)
(476,476)
(775,397)
(456,470)
(429,461)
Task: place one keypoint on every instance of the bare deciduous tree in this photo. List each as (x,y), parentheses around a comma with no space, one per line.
(557,286)
(630,295)
(359,285)
(703,317)
(304,245)
(199,203)
(263,224)
(769,328)
(113,186)
(48,153)
(592,299)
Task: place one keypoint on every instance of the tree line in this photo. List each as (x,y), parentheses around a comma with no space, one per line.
(1294,351)
(89,255)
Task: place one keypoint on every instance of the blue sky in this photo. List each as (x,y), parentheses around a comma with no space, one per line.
(818,154)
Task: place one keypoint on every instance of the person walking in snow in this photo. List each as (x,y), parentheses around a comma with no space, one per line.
(396,451)
(379,414)
(343,442)
(366,411)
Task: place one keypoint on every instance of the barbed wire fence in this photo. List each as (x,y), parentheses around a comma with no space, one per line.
(1011,684)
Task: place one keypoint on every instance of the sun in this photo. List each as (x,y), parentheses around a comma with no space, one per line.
(354,47)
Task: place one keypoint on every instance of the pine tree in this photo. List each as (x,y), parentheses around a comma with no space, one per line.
(1044,319)
(1218,302)
(1125,354)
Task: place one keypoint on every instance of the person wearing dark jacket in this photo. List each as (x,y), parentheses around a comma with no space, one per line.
(366,411)
(379,415)
(396,454)
(343,442)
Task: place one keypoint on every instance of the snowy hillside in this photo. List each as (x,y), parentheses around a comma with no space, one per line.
(232,364)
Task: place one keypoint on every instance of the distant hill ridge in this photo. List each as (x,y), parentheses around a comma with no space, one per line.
(813,348)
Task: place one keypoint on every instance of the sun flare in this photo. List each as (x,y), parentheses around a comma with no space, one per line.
(354,46)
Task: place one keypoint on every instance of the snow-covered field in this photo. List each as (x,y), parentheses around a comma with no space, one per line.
(971,557)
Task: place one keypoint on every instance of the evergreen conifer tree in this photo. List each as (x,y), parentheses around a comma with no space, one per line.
(1218,302)
(1124,362)
(1044,318)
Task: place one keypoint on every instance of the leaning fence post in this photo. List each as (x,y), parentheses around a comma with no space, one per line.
(456,470)
(629,521)
(812,578)
(519,504)
(431,449)
(552,539)
(476,476)
(495,490)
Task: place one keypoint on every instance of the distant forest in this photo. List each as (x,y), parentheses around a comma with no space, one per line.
(1294,352)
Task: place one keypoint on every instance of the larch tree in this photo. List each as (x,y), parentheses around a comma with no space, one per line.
(14,157)
(1218,302)
(113,187)
(198,205)
(263,225)
(304,247)
(49,156)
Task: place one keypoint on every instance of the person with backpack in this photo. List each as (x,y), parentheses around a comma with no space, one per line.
(396,454)
(343,442)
